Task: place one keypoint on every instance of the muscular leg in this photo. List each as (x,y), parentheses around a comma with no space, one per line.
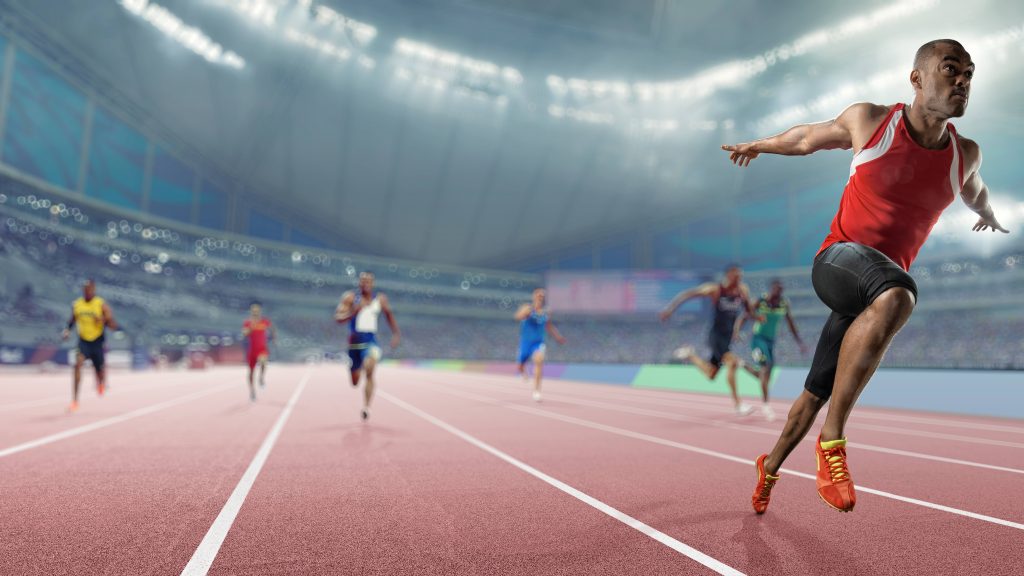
(765,377)
(356,375)
(538,370)
(707,368)
(801,416)
(101,379)
(863,347)
(369,366)
(263,371)
(731,363)
(76,378)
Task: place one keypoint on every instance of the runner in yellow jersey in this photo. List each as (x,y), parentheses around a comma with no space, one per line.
(91,315)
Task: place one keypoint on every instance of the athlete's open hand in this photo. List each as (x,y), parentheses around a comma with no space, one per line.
(65,334)
(989,223)
(561,340)
(741,154)
(664,315)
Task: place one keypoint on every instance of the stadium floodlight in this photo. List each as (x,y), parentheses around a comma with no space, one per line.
(188,36)
(736,72)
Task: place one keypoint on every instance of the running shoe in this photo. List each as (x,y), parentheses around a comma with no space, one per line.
(834,483)
(366,414)
(744,409)
(763,490)
(767,412)
(536,396)
(683,353)
(74,406)
(101,388)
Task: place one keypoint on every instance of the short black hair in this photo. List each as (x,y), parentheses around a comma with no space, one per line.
(256,303)
(88,281)
(928,48)
(370,272)
(732,266)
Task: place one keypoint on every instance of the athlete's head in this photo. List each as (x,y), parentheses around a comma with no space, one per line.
(366,279)
(539,296)
(942,77)
(776,288)
(255,309)
(733,274)
(89,289)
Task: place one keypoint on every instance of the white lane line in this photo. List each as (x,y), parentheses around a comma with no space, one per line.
(684,399)
(120,392)
(626,519)
(723,456)
(110,421)
(853,425)
(756,430)
(207,551)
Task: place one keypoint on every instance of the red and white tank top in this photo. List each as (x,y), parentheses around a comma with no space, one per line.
(897,191)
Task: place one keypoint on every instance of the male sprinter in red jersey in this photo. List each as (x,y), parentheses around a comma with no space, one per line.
(256,328)
(91,316)
(729,298)
(909,164)
(360,309)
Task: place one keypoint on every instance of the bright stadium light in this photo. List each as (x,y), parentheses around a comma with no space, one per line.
(732,74)
(188,36)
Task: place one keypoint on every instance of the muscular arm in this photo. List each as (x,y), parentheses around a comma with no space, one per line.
(705,290)
(346,308)
(553,330)
(975,192)
(396,335)
(71,322)
(792,328)
(851,129)
(108,318)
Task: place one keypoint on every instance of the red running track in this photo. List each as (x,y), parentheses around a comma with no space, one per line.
(463,474)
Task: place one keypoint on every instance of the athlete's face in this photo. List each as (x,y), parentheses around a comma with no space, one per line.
(944,81)
(776,290)
(538,298)
(366,283)
(255,310)
(88,290)
(733,276)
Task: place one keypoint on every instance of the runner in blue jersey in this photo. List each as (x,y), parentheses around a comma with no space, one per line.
(534,324)
(769,310)
(729,298)
(360,310)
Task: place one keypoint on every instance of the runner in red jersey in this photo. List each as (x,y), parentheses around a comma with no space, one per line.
(909,164)
(256,329)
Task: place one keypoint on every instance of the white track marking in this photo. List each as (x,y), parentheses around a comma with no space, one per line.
(764,431)
(110,421)
(685,399)
(653,533)
(62,399)
(723,456)
(853,426)
(207,551)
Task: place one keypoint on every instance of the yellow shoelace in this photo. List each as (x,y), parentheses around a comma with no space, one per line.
(836,460)
(766,490)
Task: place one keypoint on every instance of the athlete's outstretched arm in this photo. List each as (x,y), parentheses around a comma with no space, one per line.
(346,309)
(67,329)
(704,290)
(792,328)
(523,313)
(809,138)
(553,330)
(975,192)
(108,318)
(385,307)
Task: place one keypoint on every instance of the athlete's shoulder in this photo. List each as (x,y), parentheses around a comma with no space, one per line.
(864,112)
(970,148)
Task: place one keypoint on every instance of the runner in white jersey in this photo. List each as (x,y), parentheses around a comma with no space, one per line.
(361,309)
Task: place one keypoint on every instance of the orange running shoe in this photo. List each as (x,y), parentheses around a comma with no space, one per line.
(834,483)
(74,406)
(101,388)
(763,490)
